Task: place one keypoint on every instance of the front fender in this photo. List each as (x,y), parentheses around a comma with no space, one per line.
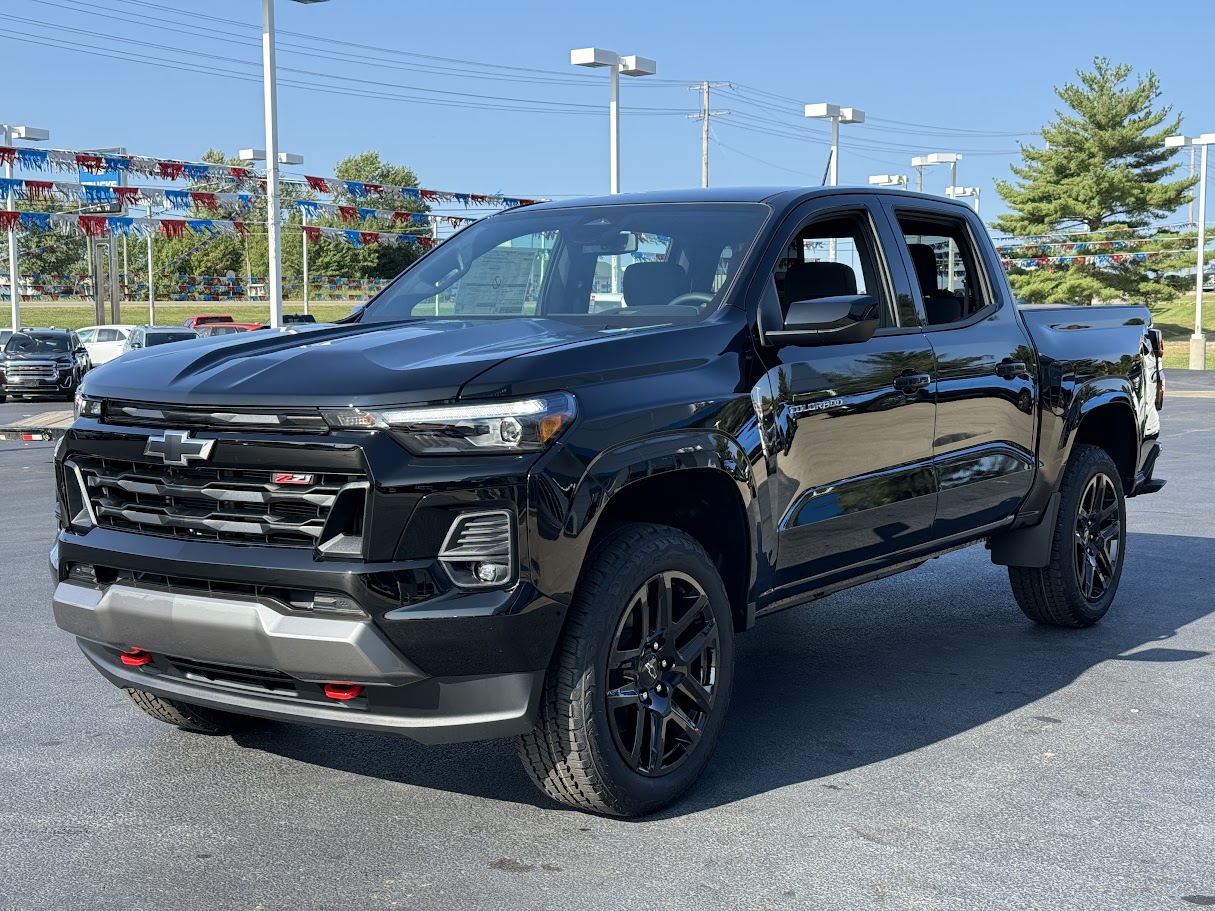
(567,508)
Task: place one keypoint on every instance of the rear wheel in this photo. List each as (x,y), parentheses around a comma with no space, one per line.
(1077,586)
(188,717)
(635,696)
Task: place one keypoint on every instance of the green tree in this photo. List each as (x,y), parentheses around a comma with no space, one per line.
(333,257)
(1103,169)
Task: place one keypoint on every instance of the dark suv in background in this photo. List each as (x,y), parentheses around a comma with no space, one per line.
(42,362)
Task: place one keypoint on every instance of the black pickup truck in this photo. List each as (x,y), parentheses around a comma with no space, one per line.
(540,483)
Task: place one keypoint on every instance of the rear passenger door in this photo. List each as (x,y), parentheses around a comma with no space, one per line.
(847,429)
(986,366)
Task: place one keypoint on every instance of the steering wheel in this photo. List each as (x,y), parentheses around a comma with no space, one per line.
(698,297)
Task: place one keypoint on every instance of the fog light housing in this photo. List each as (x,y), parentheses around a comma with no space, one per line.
(479,550)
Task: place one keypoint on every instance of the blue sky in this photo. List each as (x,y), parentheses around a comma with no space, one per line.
(931,77)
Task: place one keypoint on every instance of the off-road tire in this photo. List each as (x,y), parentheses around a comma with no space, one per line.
(188,717)
(570,753)
(1052,594)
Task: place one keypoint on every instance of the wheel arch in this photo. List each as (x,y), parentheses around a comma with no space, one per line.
(1107,418)
(699,483)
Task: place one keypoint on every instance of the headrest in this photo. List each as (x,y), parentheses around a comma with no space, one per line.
(653,284)
(807,281)
(924,258)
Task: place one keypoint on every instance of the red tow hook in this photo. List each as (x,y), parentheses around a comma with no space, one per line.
(135,657)
(343,692)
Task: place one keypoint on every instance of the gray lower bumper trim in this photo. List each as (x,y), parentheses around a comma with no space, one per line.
(463,708)
(232,632)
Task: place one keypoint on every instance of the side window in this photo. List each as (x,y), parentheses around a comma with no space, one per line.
(946,267)
(830,257)
(107,335)
(86,335)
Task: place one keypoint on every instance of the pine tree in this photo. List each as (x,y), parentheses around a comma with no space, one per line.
(1104,170)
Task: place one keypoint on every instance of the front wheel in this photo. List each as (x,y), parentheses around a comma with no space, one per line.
(635,696)
(1088,548)
(195,718)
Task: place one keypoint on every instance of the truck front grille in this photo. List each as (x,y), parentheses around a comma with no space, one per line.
(217,504)
(41,371)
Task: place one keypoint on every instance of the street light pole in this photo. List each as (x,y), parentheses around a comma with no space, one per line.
(836,115)
(11,134)
(1198,341)
(274,279)
(273,241)
(630,66)
(274,285)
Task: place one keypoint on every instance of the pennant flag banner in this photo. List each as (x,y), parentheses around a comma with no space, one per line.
(388,216)
(1030,251)
(167,169)
(123,226)
(1076,236)
(94,163)
(95,194)
(359,190)
(1101,259)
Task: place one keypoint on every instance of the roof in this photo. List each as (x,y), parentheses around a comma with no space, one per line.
(776,196)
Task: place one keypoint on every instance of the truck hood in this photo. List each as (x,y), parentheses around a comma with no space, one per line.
(352,364)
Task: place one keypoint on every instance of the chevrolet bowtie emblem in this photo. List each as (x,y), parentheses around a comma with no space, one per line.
(177,447)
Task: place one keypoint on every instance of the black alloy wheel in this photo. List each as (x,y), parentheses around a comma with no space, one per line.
(1077,585)
(639,684)
(1099,537)
(662,673)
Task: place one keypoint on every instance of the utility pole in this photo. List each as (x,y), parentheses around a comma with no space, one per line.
(703,117)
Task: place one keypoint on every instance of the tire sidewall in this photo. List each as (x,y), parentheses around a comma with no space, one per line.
(1092,461)
(644,794)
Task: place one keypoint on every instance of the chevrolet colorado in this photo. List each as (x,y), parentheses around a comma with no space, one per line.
(482,507)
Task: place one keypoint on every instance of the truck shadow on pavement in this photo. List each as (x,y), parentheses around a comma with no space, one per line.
(866,675)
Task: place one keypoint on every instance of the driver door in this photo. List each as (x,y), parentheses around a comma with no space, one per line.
(849,438)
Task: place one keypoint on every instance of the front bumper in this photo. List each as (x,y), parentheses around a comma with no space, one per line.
(252,658)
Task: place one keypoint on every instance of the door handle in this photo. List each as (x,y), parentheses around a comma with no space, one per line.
(1007,369)
(911,382)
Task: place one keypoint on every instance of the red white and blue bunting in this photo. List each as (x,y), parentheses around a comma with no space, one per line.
(123,226)
(168,169)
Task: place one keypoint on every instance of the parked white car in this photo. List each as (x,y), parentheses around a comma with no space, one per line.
(104,343)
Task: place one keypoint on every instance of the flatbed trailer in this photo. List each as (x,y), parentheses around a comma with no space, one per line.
(49,425)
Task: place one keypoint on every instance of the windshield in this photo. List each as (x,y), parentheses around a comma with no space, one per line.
(160,338)
(37,344)
(615,264)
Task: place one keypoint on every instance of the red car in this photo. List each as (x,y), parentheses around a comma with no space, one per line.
(193,322)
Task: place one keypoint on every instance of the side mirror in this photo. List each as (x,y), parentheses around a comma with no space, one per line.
(845,319)
(136,344)
(82,350)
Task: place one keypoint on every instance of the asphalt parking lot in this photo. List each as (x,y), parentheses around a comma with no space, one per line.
(913,743)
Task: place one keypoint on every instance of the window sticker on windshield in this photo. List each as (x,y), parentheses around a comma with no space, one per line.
(498,282)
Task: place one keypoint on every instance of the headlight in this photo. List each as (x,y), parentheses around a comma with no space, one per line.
(86,407)
(525,425)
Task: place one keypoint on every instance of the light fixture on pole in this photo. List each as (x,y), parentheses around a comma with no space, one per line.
(1198,341)
(962,192)
(920,162)
(29,134)
(888,180)
(836,115)
(274,280)
(631,66)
